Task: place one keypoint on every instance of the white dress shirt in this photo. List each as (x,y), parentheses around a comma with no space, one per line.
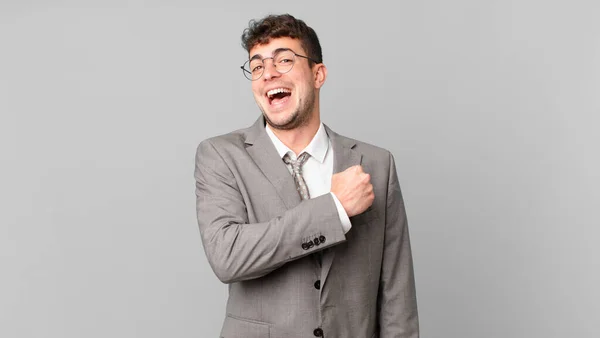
(317,170)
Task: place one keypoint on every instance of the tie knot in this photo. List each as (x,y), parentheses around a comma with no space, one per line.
(298,162)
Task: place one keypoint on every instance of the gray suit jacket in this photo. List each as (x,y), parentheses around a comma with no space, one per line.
(259,237)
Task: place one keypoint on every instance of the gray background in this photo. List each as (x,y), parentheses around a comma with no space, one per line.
(490,108)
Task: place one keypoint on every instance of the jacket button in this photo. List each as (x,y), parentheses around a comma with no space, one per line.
(305,246)
(318,285)
(316,241)
(318,332)
(322,239)
(310,244)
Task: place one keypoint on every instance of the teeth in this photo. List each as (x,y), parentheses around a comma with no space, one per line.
(272,92)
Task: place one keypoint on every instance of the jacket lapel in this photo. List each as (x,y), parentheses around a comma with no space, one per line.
(344,156)
(264,154)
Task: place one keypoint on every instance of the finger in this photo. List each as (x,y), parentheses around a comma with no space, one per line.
(365,178)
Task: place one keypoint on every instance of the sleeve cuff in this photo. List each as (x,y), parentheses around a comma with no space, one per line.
(346,225)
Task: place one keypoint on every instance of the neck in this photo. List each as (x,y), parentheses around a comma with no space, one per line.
(298,138)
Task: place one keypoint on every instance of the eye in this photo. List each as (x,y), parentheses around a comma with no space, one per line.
(256,69)
(284,61)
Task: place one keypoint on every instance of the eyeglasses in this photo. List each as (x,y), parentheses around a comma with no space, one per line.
(283,61)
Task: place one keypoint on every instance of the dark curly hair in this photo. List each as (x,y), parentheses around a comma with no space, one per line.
(277,26)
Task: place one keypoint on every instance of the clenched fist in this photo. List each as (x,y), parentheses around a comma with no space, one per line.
(354,190)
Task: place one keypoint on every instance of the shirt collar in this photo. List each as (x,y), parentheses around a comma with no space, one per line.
(317,148)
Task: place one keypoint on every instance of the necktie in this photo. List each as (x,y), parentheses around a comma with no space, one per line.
(297,173)
(301,184)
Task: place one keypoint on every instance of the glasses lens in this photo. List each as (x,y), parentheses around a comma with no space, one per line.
(253,69)
(284,61)
(256,68)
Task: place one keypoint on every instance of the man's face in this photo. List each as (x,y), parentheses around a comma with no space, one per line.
(286,100)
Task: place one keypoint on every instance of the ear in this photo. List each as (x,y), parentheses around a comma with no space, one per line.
(320,72)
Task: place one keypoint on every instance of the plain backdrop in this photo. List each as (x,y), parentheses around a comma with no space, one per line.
(491,109)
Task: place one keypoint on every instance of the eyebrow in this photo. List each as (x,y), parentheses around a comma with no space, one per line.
(278,50)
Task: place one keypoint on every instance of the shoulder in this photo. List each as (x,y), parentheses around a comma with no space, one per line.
(224,142)
(372,151)
(368,150)
(376,160)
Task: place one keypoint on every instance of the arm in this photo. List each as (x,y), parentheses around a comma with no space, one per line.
(397,302)
(238,250)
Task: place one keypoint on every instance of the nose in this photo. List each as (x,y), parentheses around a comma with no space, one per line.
(270,71)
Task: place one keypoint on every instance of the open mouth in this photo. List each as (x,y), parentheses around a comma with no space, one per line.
(278,95)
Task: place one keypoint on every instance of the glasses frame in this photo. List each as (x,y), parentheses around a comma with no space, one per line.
(249,76)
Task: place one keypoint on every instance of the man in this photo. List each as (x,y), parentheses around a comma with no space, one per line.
(306,226)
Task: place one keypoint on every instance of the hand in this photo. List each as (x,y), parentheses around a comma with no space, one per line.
(353,189)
